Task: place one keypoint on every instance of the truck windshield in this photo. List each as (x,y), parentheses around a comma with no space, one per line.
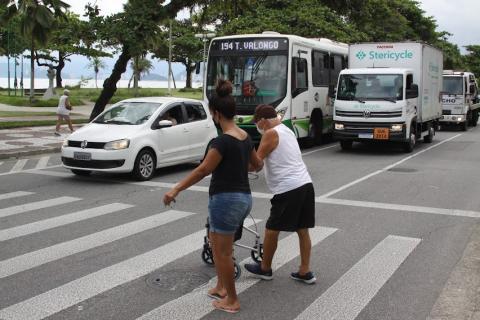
(453,85)
(363,87)
(256,78)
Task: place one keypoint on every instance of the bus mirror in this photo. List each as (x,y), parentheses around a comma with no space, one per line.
(332,91)
(197,68)
(472,89)
(300,66)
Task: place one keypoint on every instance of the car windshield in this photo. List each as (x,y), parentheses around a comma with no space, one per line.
(363,87)
(453,85)
(257,79)
(128,113)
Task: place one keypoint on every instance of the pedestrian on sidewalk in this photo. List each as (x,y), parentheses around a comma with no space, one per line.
(63,112)
(293,203)
(230,200)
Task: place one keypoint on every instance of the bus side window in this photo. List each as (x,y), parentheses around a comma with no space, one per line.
(319,71)
(336,65)
(299,76)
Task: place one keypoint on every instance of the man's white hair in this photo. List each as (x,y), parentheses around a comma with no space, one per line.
(66,92)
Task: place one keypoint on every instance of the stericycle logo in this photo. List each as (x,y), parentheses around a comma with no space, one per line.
(361,55)
(390,55)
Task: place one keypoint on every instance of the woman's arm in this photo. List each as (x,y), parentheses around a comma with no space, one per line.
(211,161)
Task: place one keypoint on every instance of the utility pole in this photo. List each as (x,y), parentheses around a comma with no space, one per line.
(170,59)
(21,77)
(8,59)
(204,37)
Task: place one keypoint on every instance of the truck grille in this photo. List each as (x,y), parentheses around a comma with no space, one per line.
(446,112)
(372,114)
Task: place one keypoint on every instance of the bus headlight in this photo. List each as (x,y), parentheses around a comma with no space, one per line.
(396,127)
(339,126)
(117,144)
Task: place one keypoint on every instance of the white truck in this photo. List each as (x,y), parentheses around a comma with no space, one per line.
(391,92)
(460,101)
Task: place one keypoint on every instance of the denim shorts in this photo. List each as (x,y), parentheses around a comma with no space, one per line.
(226,211)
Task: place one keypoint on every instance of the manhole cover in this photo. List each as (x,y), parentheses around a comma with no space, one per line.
(404,170)
(177,280)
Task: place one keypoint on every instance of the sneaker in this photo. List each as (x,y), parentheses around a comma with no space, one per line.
(256,269)
(308,277)
(57,134)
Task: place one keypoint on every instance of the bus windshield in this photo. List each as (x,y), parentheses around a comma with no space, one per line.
(258,76)
(453,85)
(363,87)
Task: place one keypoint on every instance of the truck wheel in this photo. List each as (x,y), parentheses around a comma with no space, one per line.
(315,131)
(410,144)
(464,125)
(429,138)
(346,144)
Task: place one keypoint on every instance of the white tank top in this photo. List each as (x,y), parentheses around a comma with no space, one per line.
(62,109)
(284,166)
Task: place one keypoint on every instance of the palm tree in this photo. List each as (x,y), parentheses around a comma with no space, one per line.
(37,20)
(97,64)
(141,66)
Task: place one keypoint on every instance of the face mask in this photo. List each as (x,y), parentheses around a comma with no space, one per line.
(261,131)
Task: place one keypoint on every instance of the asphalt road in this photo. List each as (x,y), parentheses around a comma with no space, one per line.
(390,229)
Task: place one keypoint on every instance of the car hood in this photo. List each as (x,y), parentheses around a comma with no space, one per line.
(96,132)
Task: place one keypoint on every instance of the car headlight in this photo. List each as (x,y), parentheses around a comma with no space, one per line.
(117,144)
(65,143)
(396,127)
(339,126)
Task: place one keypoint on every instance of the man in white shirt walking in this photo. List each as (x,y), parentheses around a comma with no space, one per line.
(293,203)
(63,112)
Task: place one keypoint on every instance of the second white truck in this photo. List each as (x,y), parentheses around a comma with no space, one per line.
(460,101)
(391,92)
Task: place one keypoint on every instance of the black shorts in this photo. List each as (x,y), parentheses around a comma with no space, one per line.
(293,210)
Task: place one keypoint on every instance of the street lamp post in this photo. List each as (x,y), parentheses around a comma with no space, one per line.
(204,37)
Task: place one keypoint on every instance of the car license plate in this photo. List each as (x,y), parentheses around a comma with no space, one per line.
(381,133)
(365,136)
(82,156)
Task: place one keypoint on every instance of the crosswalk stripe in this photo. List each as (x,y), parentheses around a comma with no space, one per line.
(14,194)
(36,206)
(36,258)
(347,297)
(196,304)
(55,300)
(19,165)
(51,173)
(42,163)
(37,226)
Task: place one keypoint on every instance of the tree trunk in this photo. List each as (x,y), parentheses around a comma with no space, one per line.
(32,72)
(110,84)
(59,68)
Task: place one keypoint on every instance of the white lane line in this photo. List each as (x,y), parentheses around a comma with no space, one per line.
(37,258)
(400,207)
(76,291)
(18,166)
(28,170)
(196,304)
(313,151)
(348,185)
(36,206)
(14,194)
(34,227)
(347,297)
(42,162)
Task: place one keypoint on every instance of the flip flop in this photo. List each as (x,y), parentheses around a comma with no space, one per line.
(215,296)
(229,310)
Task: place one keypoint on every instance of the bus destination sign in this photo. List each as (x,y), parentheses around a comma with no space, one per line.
(250,44)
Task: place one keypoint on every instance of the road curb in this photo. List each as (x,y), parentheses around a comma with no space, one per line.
(460,298)
(20,154)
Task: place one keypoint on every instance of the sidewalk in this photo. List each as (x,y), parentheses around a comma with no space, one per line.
(19,142)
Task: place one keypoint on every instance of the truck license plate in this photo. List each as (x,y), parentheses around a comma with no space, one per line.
(381,133)
(82,156)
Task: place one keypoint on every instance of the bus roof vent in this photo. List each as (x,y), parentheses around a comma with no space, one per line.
(270,32)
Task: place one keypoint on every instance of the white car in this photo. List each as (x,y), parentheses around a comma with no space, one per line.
(139,135)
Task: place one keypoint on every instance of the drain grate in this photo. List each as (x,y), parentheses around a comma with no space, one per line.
(182,281)
(403,170)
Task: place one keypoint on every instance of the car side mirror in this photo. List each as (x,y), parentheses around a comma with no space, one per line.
(164,124)
(412,92)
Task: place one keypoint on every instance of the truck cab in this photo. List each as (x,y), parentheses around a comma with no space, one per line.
(460,105)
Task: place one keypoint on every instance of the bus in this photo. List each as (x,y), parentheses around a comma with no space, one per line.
(296,75)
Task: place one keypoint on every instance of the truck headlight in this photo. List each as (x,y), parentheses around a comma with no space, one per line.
(396,127)
(117,144)
(65,143)
(339,126)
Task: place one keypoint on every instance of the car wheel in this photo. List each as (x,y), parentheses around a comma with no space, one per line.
(81,172)
(145,165)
